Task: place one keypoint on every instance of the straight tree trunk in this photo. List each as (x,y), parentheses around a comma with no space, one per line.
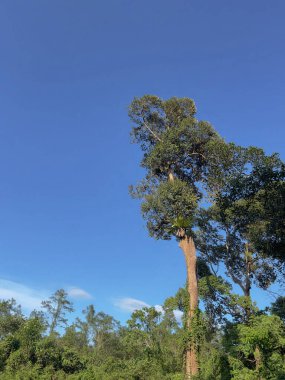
(257,358)
(247,287)
(188,247)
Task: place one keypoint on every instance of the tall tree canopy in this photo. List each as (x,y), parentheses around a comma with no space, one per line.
(180,154)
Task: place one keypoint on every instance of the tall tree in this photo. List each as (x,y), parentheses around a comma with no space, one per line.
(56,307)
(178,153)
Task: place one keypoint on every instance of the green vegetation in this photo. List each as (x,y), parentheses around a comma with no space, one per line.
(149,346)
(224,205)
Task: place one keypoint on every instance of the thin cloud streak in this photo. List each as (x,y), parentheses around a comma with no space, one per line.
(79,293)
(27,297)
(129,305)
(30,298)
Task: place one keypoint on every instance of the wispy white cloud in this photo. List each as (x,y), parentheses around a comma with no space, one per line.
(30,298)
(27,297)
(130,304)
(79,293)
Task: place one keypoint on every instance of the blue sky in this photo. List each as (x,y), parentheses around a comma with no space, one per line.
(68,71)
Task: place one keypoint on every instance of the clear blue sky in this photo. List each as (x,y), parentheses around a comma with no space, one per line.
(68,71)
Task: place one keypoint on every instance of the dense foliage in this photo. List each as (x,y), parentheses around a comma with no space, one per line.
(149,346)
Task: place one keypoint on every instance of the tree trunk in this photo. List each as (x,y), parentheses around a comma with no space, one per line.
(188,247)
(247,287)
(257,358)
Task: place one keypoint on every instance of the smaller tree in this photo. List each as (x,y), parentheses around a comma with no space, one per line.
(11,317)
(256,350)
(278,308)
(56,307)
(98,331)
(239,228)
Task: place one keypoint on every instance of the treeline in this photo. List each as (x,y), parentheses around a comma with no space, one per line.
(151,344)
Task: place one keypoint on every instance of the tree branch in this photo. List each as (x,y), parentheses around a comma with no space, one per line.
(198,154)
(155,135)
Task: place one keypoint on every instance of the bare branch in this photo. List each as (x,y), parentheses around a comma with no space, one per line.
(151,131)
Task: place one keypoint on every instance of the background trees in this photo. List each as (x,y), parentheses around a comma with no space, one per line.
(148,347)
(94,347)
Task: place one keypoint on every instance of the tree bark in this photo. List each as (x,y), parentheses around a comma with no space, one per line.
(258,361)
(188,247)
(247,287)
